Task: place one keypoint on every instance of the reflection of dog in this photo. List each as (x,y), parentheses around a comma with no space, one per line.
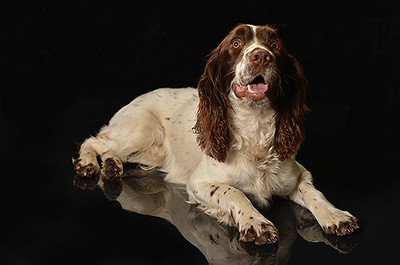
(146,193)
(248,116)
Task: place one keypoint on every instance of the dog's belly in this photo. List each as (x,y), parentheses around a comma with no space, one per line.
(180,142)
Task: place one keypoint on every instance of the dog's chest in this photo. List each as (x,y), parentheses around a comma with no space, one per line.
(259,171)
(261,178)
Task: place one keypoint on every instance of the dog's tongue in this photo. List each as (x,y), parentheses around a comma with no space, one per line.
(251,91)
(258,88)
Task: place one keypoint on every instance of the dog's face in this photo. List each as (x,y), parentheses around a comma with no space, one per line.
(256,51)
(252,66)
(253,59)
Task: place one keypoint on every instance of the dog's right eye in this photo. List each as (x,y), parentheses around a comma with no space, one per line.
(236,43)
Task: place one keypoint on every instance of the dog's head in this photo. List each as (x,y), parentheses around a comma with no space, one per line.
(251,65)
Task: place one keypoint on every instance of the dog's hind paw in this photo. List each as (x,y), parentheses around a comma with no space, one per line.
(112,168)
(85,170)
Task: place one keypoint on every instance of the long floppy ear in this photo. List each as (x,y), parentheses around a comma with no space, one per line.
(291,110)
(212,121)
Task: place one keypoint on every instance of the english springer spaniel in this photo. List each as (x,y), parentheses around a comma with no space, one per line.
(232,141)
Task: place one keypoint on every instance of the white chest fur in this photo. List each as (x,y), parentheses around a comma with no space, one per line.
(252,163)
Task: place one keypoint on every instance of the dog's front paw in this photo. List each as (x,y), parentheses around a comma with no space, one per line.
(85,169)
(261,233)
(112,168)
(340,223)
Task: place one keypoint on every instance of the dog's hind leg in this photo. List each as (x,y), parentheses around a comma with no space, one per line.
(134,136)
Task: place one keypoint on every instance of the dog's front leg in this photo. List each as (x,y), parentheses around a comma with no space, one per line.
(331,219)
(231,206)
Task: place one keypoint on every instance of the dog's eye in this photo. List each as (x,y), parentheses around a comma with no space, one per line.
(275,45)
(236,43)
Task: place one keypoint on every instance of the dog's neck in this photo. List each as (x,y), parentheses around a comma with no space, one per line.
(252,129)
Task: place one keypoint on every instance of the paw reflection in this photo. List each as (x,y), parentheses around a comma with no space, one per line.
(145,192)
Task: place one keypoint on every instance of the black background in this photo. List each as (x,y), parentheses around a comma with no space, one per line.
(67,66)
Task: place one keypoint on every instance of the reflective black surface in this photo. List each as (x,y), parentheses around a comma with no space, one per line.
(69,65)
(146,193)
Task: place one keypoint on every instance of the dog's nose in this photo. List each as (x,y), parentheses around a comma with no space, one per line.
(259,57)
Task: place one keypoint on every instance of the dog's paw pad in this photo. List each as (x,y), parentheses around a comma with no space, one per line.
(264,233)
(112,168)
(85,170)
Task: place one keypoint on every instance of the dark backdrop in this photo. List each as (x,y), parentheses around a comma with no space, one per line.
(67,66)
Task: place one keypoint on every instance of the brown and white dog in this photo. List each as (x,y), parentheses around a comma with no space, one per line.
(232,141)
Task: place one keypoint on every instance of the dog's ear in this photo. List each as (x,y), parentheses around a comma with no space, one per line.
(291,110)
(212,125)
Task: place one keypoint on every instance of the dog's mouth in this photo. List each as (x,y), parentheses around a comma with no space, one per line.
(255,90)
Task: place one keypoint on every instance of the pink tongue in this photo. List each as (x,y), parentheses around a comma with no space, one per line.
(257,88)
(252,92)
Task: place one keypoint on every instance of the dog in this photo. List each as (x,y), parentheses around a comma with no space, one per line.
(232,140)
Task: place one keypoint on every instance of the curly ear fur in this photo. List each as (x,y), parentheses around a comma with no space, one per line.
(212,125)
(291,110)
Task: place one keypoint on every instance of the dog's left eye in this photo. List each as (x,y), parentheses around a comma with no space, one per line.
(275,45)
